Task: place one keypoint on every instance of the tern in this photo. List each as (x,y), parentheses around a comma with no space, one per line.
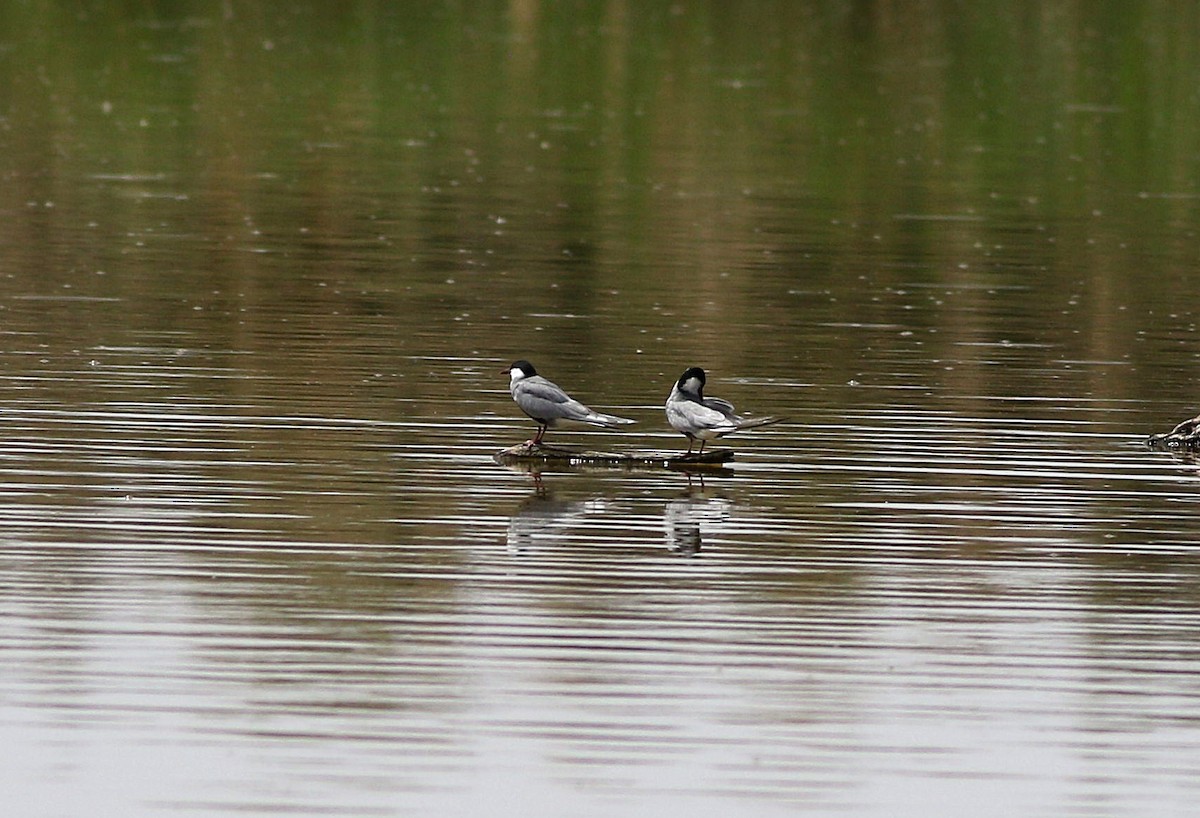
(548,404)
(701,418)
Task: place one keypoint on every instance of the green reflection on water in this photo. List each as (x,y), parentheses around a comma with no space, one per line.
(691,171)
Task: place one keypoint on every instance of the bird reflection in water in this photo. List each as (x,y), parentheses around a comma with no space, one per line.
(543,516)
(686,517)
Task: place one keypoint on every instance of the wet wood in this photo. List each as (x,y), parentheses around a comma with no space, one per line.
(528,452)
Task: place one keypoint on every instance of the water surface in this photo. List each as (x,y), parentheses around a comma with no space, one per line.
(260,273)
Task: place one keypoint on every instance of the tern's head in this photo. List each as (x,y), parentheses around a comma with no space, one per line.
(691,381)
(520,369)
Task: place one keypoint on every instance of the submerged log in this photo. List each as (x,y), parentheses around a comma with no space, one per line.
(1184,436)
(529,452)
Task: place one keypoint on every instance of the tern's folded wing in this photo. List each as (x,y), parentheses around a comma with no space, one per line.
(690,416)
(720,405)
(542,399)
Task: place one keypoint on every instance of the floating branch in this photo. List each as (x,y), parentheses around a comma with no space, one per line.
(541,453)
(1184,436)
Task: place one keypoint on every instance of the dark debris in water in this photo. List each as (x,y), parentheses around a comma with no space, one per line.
(1185,436)
(533,452)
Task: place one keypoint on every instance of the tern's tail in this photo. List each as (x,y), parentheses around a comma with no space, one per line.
(601,419)
(754,423)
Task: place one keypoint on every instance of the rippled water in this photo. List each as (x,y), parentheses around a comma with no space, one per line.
(256,555)
(884,605)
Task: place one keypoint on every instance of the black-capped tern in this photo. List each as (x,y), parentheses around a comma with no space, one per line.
(701,418)
(548,404)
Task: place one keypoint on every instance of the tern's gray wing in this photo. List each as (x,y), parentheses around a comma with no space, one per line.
(722,406)
(543,400)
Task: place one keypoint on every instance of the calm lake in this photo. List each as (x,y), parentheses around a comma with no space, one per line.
(261,268)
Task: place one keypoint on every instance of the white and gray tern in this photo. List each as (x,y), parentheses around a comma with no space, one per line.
(701,418)
(548,404)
